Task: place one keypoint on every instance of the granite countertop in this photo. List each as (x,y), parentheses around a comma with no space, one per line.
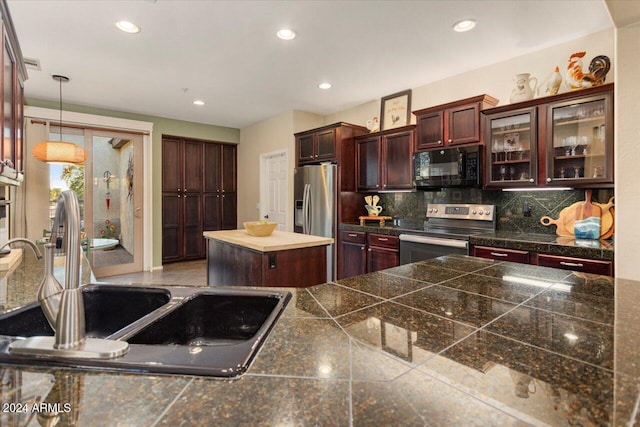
(277,241)
(19,285)
(454,340)
(543,243)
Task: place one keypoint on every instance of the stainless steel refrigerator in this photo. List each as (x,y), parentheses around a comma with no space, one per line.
(315,197)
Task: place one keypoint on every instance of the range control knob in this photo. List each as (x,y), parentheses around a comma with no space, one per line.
(435,210)
(480,211)
(487,212)
(430,210)
(474,212)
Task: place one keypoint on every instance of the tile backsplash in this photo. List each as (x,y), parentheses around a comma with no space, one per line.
(509,205)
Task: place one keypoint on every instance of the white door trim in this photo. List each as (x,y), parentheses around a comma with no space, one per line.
(121,125)
(263,184)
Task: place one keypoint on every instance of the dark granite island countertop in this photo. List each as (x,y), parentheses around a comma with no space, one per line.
(450,341)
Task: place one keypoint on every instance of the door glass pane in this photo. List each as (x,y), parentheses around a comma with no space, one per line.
(578,141)
(511,148)
(112,238)
(66,177)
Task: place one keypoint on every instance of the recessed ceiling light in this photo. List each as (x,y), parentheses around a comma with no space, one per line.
(324,85)
(128,27)
(464,25)
(286,34)
(198,102)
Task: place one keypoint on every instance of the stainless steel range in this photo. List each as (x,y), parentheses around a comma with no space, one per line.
(447,232)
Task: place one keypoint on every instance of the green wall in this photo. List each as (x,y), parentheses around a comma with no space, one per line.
(161,126)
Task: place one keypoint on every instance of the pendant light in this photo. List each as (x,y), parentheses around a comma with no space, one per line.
(59,151)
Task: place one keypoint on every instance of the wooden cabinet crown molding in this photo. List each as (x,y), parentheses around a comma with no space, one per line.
(487,99)
(550,99)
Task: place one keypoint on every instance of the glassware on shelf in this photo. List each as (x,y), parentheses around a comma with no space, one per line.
(598,171)
(562,172)
(512,172)
(503,172)
(576,170)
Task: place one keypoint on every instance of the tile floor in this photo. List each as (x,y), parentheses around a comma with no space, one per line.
(190,273)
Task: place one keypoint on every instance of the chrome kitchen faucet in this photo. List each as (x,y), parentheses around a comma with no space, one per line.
(69,329)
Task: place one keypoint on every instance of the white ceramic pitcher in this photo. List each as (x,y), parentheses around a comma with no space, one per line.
(523,90)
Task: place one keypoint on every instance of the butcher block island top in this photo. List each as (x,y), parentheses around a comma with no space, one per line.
(235,258)
(278,241)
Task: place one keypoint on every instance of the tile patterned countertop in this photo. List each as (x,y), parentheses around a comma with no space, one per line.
(450,341)
(543,243)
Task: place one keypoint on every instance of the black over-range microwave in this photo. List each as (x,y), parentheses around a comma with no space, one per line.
(448,167)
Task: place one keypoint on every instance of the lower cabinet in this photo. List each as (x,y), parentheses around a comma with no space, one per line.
(545,260)
(362,253)
(577,264)
(383,252)
(353,254)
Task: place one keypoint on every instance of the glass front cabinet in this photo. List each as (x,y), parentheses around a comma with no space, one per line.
(580,141)
(564,140)
(512,148)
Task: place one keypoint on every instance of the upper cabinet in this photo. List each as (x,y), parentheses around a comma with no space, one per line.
(383,160)
(333,143)
(14,74)
(564,140)
(455,123)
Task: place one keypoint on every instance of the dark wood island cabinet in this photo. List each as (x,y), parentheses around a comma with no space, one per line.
(234,258)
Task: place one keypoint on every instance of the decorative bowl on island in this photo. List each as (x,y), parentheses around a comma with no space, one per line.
(259,228)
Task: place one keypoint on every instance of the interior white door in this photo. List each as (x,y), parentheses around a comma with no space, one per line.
(275,168)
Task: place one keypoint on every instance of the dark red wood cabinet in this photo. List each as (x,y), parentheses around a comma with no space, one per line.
(565,140)
(362,253)
(454,123)
(583,265)
(12,115)
(353,254)
(383,252)
(198,194)
(384,160)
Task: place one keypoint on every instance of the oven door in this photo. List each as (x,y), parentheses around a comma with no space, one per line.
(415,248)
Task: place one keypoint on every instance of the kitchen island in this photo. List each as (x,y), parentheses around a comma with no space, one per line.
(451,341)
(282,259)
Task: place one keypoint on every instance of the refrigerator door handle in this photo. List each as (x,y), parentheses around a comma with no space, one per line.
(306,226)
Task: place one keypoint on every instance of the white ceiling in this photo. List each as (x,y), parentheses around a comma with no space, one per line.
(226,52)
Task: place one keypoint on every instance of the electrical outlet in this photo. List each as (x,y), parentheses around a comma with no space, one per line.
(526,209)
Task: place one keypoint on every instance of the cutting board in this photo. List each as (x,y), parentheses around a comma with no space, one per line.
(587,219)
(9,260)
(564,223)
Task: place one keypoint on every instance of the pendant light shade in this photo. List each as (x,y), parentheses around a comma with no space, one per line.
(59,151)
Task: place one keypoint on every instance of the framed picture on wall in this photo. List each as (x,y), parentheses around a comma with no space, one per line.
(395,110)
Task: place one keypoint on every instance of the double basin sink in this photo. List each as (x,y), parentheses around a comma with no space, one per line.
(173,329)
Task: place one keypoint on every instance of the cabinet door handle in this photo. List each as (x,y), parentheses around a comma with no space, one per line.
(352,235)
(178,189)
(362,248)
(449,140)
(498,254)
(571,264)
(439,141)
(530,179)
(548,179)
(184,189)
(369,249)
(178,196)
(382,239)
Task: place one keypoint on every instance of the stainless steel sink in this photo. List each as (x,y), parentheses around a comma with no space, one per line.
(173,329)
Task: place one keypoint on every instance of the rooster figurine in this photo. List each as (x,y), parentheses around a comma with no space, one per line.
(598,69)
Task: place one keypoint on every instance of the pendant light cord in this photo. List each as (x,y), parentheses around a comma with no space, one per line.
(60,80)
